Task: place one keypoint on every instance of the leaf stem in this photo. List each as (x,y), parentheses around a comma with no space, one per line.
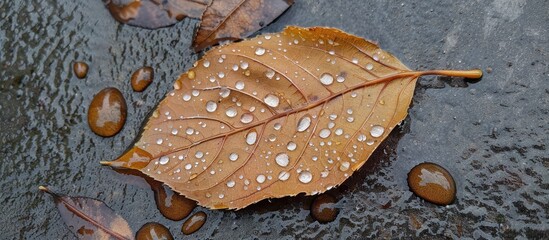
(474,73)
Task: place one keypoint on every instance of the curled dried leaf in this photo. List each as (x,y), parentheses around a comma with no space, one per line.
(280,114)
(90,218)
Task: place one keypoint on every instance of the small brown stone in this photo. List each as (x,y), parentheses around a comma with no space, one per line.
(153,231)
(194,223)
(172,205)
(142,78)
(80,69)
(107,112)
(324,208)
(432,183)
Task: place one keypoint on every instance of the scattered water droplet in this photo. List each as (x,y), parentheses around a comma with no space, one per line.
(326,79)
(377,131)
(230,183)
(375,57)
(344,166)
(195,93)
(221,195)
(246,118)
(361,138)
(224,92)
(206,63)
(283,176)
(244,65)
(233,157)
(186,97)
(174,131)
(251,137)
(231,112)
(270,74)
(291,146)
(282,159)
(277,126)
(324,133)
(260,178)
(199,154)
(188,166)
(340,79)
(338,131)
(189,131)
(159,141)
(369,66)
(305,177)
(211,106)
(304,123)
(259,51)
(239,85)
(355,60)
(271,100)
(164,160)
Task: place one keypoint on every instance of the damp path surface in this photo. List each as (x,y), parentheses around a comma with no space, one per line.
(490,135)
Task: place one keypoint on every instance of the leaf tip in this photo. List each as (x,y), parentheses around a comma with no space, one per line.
(135,158)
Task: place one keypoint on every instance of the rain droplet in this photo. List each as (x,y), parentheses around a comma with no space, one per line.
(188,166)
(231,112)
(259,51)
(350,119)
(244,65)
(272,137)
(304,123)
(355,60)
(344,166)
(324,133)
(233,157)
(159,141)
(377,131)
(340,79)
(174,131)
(260,178)
(291,146)
(338,131)
(369,66)
(326,79)
(251,137)
(271,100)
(199,154)
(211,106)
(282,159)
(206,63)
(221,195)
(239,85)
(361,138)
(221,74)
(370,142)
(305,177)
(186,97)
(375,57)
(224,92)
(283,176)
(277,126)
(230,184)
(235,67)
(189,131)
(164,160)
(246,118)
(270,74)
(195,93)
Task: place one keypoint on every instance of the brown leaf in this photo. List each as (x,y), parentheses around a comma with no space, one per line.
(277,115)
(89,218)
(236,19)
(155,13)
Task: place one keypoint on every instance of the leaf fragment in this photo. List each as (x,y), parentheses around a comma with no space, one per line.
(277,115)
(90,218)
(236,19)
(155,13)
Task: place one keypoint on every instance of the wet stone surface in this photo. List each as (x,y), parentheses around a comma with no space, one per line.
(491,134)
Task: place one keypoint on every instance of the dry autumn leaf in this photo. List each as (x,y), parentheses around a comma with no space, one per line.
(89,218)
(273,116)
(155,13)
(236,19)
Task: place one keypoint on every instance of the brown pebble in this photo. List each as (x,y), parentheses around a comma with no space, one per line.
(324,208)
(107,112)
(172,205)
(142,78)
(432,183)
(153,231)
(194,223)
(80,69)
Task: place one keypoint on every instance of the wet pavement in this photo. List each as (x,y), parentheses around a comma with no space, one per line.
(491,135)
